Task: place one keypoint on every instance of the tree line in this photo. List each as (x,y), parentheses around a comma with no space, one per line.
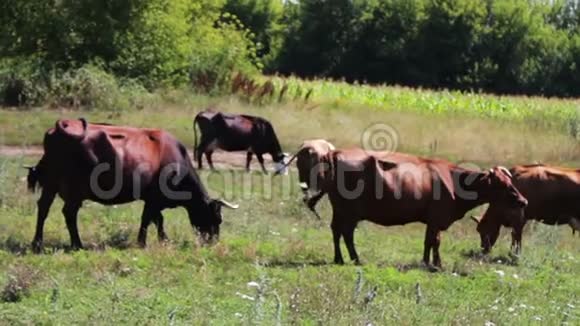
(500,46)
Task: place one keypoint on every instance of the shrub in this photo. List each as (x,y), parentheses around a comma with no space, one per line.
(88,87)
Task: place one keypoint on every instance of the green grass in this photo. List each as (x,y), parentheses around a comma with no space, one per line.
(274,241)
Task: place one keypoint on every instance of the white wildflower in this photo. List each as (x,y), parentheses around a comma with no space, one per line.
(294,230)
(245,296)
(571,306)
(239,315)
(253,284)
(489,323)
(538,318)
(511,309)
(516,276)
(493,307)
(499,272)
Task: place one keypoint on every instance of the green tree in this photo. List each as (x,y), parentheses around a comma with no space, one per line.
(264,20)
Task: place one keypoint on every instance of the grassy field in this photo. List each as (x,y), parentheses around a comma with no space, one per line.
(273,262)
(457,135)
(271,266)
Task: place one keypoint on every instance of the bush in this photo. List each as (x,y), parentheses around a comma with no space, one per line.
(88,87)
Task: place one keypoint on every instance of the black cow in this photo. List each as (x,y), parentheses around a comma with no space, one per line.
(236,132)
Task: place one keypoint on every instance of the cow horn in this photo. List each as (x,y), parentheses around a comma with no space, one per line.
(29,167)
(303,186)
(475,219)
(505,170)
(228,205)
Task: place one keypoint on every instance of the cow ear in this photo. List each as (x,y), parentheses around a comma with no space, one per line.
(475,219)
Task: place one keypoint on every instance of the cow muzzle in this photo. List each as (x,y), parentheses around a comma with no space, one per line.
(521,202)
(280,168)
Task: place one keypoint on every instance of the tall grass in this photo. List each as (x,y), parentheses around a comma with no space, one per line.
(534,111)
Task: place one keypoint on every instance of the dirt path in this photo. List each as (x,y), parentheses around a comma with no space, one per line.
(221,160)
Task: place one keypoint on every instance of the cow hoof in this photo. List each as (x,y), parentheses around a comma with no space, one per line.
(36,247)
(339,261)
(357,262)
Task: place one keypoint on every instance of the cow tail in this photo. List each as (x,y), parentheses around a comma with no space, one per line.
(32,179)
(195,122)
(61,126)
(34,176)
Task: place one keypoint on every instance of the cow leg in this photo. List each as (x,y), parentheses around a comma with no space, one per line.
(436,244)
(146,217)
(574,224)
(161,235)
(248,160)
(70,212)
(43,203)
(208,155)
(348,234)
(336,234)
(261,160)
(198,153)
(517,240)
(432,241)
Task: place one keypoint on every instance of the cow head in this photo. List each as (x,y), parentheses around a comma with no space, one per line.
(280,165)
(209,227)
(496,215)
(497,188)
(506,205)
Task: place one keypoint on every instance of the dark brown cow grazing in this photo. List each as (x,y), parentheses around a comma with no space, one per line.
(396,189)
(308,161)
(116,165)
(553,194)
(233,132)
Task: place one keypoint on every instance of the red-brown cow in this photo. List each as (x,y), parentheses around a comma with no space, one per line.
(553,194)
(396,189)
(116,165)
